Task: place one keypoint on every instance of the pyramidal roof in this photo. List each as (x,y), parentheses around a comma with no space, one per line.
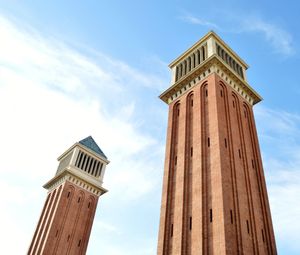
(90,143)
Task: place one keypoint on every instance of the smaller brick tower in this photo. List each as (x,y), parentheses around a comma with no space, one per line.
(66,220)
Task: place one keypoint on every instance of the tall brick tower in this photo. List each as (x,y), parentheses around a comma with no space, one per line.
(214,198)
(66,220)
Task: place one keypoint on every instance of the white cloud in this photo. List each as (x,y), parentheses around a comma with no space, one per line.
(280,39)
(197,21)
(282,169)
(52,93)
(106,227)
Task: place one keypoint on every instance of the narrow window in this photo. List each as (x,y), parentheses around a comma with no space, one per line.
(239,153)
(177,112)
(68,238)
(89,167)
(97,171)
(252,163)
(100,170)
(192,103)
(79,157)
(83,161)
(175,160)
(93,168)
(225,143)
(231,217)
(190,223)
(263,236)
(206,93)
(176,75)
(210,215)
(191,151)
(78,200)
(248,227)
(194,60)
(221,93)
(208,142)
(87,163)
(79,243)
(56,233)
(89,204)
(68,194)
(171,230)
(203,53)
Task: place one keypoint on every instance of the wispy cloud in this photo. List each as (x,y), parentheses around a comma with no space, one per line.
(280,39)
(197,21)
(53,94)
(279,132)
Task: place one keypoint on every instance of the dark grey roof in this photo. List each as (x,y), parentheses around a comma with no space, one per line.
(91,144)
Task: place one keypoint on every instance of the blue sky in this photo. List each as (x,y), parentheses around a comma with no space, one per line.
(69,69)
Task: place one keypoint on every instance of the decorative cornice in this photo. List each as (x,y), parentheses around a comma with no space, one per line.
(213,64)
(71,176)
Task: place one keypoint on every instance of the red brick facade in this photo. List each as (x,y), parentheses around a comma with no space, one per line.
(214,198)
(65,222)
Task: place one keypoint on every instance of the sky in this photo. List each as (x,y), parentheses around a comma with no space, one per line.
(70,69)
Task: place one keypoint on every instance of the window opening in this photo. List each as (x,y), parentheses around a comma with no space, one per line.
(171,230)
(190,223)
(191,151)
(78,200)
(208,142)
(210,215)
(203,53)
(239,153)
(231,217)
(79,243)
(225,143)
(68,194)
(248,227)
